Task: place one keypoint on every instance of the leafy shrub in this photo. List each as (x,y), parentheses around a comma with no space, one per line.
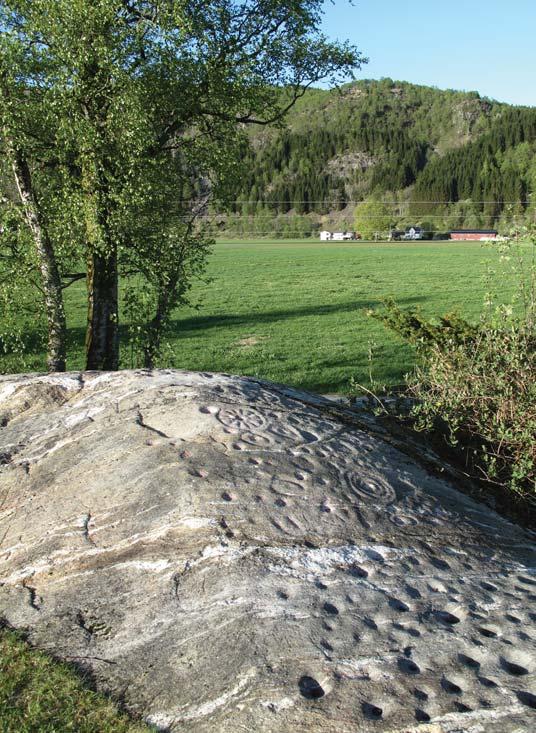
(423,333)
(477,382)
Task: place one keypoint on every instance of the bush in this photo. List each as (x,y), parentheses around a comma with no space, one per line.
(485,393)
(477,382)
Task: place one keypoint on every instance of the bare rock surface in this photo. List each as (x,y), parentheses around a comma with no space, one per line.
(228,555)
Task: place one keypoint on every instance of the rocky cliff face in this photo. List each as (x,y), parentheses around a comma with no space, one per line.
(229,555)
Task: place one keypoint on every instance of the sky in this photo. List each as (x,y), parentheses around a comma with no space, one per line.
(487,46)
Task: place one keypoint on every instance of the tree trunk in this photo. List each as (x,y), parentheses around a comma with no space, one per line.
(50,276)
(102,334)
(153,339)
(102,331)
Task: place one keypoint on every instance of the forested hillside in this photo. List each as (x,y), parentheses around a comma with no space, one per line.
(414,147)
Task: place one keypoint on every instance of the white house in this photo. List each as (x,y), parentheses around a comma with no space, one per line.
(338,236)
(414,233)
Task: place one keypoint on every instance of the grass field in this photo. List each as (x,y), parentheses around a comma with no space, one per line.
(295,311)
(39,695)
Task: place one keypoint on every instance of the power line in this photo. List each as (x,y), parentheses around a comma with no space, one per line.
(369,216)
(468,202)
(282,235)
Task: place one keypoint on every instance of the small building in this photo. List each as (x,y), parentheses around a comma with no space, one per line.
(473,234)
(339,236)
(413,233)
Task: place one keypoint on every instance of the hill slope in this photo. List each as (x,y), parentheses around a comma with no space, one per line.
(396,141)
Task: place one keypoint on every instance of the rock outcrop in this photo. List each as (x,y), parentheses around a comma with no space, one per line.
(229,555)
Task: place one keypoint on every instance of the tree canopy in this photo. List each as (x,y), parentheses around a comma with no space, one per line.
(120,121)
(372,218)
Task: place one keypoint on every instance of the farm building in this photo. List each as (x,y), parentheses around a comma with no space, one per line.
(475,234)
(339,236)
(414,233)
(395,235)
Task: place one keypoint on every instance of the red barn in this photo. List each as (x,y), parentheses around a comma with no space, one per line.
(478,234)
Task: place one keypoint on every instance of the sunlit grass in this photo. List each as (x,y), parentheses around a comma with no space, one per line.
(295,311)
(40,695)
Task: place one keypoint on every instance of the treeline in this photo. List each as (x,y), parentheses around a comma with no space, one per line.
(496,172)
(396,141)
(294,173)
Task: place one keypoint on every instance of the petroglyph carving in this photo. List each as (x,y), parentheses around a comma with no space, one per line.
(274,568)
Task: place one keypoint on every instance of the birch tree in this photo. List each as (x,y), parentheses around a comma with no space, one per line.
(26,146)
(151,99)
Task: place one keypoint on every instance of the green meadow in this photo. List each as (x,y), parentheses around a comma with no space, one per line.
(295,311)
(40,695)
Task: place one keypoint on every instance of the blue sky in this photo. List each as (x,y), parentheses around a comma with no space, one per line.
(483,45)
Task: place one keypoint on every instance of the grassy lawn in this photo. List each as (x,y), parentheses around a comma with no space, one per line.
(295,311)
(38,695)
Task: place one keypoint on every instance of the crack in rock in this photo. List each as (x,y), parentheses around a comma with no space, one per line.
(142,424)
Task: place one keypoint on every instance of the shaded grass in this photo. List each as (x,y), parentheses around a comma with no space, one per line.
(295,311)
(40,695)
